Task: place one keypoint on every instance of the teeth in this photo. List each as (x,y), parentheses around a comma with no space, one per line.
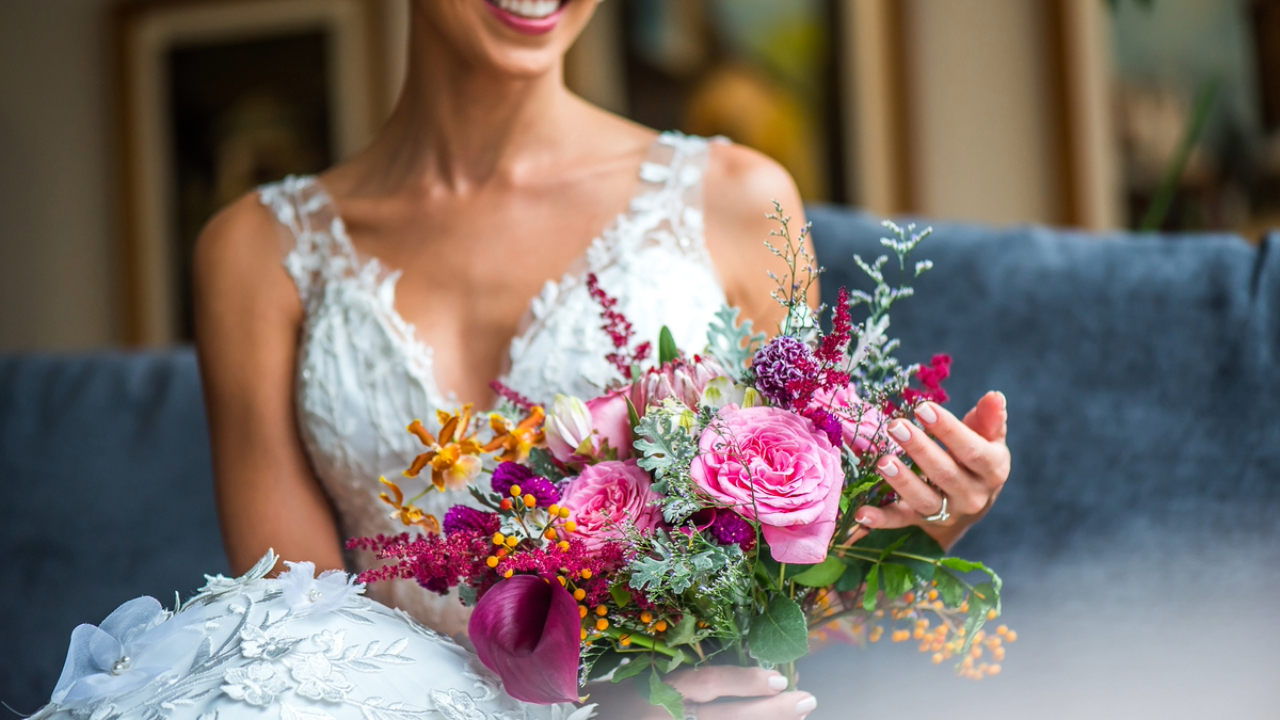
(532,9)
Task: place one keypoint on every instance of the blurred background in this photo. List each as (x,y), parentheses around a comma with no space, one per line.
(125,125)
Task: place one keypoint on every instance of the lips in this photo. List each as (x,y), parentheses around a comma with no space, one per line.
(529,17)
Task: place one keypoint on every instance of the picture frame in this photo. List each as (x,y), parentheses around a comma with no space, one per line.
(215,97)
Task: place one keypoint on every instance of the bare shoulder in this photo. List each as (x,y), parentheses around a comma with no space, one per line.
(238,264)
(740,189)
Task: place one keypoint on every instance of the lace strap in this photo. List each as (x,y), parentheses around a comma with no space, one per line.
(315,243)
(673,184)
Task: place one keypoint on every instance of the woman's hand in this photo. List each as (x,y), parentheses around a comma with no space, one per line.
(705,692)
(970,470)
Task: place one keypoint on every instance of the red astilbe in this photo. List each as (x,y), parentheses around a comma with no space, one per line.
(436,562)
(619,329)
(511,396)
(931,377)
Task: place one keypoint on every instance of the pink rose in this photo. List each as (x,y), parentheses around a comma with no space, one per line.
(611,421)
(775,467)
(606,497)
(860,421)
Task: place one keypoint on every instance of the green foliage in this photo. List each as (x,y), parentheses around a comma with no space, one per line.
(667,568)
(667,350)
(982,600)
(780,634)
(542,463)
(598,665)
(666,449)
(665,696)
(639,663)
(823,574)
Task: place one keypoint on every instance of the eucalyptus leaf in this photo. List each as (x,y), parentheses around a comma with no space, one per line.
(780,634)
(823,574)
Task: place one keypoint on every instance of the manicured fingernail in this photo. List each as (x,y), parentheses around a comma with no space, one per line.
(867,520)
(899,431)
(926,413)
(777,682)
(1004,402)
(888,468)
(806,706)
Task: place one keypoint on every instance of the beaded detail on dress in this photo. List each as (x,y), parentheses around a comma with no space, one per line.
(363,373)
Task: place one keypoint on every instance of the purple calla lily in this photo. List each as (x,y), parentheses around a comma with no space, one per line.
(526,630)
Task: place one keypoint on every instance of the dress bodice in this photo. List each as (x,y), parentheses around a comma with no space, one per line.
(363,373)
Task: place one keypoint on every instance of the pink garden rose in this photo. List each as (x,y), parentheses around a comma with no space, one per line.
(611,421)
(859,421)
(775,467)
(607,496)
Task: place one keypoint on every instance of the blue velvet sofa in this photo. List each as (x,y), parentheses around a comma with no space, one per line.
(1139,536)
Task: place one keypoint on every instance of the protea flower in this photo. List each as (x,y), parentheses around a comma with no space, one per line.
(682,379)
(526,630)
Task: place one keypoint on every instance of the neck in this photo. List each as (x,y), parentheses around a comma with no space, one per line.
(462,124)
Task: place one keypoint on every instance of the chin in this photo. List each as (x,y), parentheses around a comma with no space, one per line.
(516,37)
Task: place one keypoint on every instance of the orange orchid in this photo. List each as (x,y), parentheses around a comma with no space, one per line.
(407,514)
(515,440)
(454,458)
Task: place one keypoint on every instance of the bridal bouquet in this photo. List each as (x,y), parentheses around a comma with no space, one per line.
(702,510)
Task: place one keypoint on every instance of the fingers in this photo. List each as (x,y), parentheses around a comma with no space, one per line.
(990,417)
(786,706)
(970,449)
(708,683)
(910,488)
(898,515)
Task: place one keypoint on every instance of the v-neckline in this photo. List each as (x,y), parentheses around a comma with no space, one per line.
(384,279)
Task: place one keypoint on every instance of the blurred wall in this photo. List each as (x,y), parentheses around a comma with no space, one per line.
(982,104)
(57,240)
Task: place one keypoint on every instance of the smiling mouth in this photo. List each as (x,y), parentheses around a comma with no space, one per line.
(528,9)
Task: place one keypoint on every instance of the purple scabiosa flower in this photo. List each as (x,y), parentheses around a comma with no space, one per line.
(542,490)
(508,474)
(781,364)
(461,518)
(732,529)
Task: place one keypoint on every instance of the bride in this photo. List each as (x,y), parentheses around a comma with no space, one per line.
(332,310)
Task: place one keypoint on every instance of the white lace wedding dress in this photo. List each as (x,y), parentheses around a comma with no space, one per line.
(301,648)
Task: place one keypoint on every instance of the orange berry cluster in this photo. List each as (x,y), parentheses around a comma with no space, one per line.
(524,504)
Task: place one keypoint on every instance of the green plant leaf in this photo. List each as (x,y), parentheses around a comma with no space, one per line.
(853,576)
(605,663)
(663,695)
(731,343)
(823,574)
(897,580)
(780,634)
(639,663)
(684,631)
(620,594)
(667,350)
(982,600)
(873,588)
(633,416)
(674,662)
(950,589)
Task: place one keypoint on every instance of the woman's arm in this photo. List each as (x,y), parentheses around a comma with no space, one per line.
(741,186)
(247,315)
